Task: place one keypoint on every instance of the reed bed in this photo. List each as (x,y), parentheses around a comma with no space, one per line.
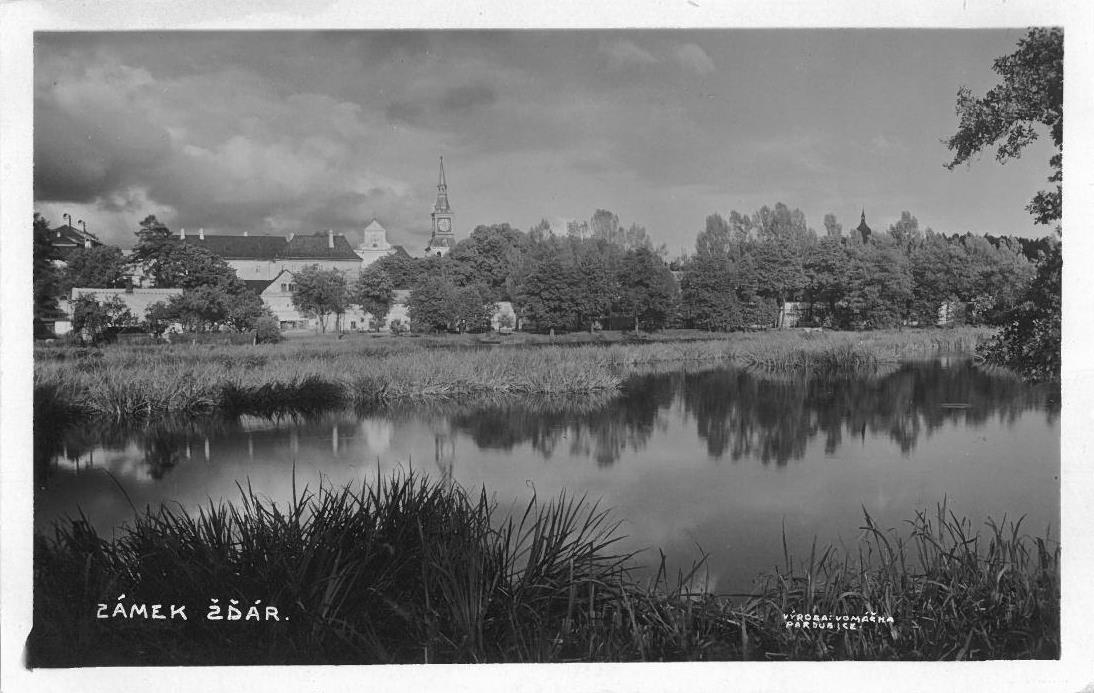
(835,353)
(409,569)
(145,382)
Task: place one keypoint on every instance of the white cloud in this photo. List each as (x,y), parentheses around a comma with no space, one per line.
(622,53)
(694,58)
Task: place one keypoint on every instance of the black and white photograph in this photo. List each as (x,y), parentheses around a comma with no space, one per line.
(548,345)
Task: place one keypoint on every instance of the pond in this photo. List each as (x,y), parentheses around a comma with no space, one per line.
(721,460)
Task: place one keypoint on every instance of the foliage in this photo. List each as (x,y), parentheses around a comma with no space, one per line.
(208,309)
(98,322)
(408,569)
(489,256)
(707,293)
(429,305)
(1030,341)
(554,296)
(46,279)
(648,291)
(403,270)
(99,267)
(267,331)
(373,292)
(1031,96)
(320,293)
(173,263)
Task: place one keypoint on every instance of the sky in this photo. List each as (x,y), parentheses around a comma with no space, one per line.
(279,132)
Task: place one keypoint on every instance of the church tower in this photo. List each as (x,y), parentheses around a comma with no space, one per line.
(863,230)
(443,237)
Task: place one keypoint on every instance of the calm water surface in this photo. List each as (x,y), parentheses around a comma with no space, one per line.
(720,459)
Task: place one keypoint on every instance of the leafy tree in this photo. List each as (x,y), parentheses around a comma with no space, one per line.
(708,295)
(208,308)
(552,295)
(320,293)
(471,308)
(99,267)
(429,305)
(401,269)
(826,267)
(373,291)
(940,272)
(832,228)
(648,291)
(1030,341)
(490,255)
(98,321)
(46,279)
(716,240)
(879,286)
(636,237)
(244,311)
(173,263)
(779,263)
(604,226)
(906,231)
(1030,97)
(1010,114)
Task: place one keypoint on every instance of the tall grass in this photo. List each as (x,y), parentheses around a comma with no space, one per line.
(412,570)
(144,382)
(838,353)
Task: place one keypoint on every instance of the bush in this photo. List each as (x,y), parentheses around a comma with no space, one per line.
(268,331)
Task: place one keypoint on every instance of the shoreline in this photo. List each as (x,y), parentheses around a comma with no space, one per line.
(137,383)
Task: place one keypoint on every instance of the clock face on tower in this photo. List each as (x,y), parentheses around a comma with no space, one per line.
(444,224)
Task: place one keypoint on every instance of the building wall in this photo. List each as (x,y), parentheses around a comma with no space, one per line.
(371,255)
(269,269)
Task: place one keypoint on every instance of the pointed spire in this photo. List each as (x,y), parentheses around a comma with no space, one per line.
(441,205)
(863,215)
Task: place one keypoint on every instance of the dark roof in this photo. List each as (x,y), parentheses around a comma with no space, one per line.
(399,250)
(257,285)
(276,247)
(70,236)
(317,246)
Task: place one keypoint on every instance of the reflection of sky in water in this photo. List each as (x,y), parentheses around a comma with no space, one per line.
(718,459)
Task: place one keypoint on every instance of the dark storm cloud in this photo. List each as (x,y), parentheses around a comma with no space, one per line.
(292,130)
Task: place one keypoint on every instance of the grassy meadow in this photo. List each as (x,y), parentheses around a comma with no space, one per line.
(133,383)
(412,570)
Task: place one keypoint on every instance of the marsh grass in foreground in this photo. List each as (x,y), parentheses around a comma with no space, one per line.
(140,383)
(414,570)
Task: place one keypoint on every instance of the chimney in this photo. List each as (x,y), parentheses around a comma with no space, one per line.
(330,238)
(201,233)
(182,234)
(245,233)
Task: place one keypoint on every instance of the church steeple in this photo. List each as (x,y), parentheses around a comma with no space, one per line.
(441,205)
(863,230)
(443,237)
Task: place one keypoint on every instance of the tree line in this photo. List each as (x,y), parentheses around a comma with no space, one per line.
(743,270)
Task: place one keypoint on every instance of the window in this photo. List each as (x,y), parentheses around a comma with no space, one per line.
(292,287)
(284,288)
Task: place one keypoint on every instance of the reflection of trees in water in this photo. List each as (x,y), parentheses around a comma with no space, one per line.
(737,413)
(743,415)
(599,427)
